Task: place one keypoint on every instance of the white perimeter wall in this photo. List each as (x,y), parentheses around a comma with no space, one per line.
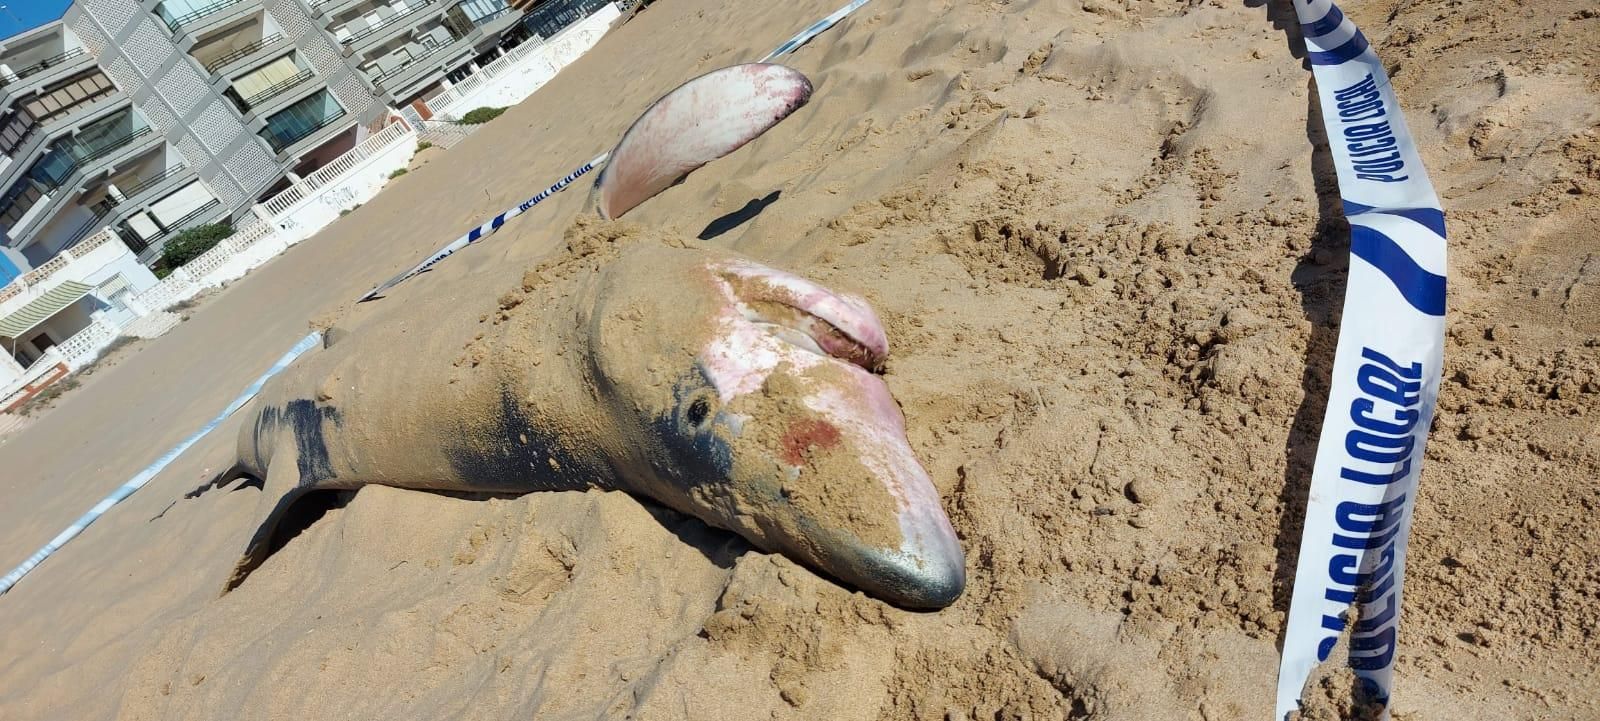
(353,187)
(513,84)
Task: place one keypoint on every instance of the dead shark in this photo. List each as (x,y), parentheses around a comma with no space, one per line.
(726,389)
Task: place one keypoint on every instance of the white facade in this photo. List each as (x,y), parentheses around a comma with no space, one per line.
(115,278)
(514,77)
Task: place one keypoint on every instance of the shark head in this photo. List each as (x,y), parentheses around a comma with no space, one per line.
(754,397)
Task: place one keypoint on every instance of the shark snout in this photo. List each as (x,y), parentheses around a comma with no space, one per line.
(820,465)
(861,506)
(927,571)
(929,575)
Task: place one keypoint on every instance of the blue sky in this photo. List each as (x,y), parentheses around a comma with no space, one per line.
(30,13)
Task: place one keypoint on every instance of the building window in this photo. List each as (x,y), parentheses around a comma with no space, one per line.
(300,120)
(116,292)
(65,97)
(15,128)
(266,76)
(18,201)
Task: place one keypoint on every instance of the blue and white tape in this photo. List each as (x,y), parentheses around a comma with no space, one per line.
(815,29)
(493,224)
(1385,373)
(483,231)
(150,471)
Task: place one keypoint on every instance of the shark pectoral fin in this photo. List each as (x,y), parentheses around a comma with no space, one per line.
(227,476)
(279,491)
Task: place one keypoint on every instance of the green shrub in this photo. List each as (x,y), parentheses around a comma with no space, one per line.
(481,115)
(192,242)
(397,173)
(423,145)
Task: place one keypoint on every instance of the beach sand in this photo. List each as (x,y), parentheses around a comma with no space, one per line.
(1104,238)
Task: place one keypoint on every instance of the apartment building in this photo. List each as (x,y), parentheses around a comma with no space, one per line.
(151,116)
(250,93)
(71,143)
(408,48)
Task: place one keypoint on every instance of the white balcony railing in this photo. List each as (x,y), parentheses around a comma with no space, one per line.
(277,204)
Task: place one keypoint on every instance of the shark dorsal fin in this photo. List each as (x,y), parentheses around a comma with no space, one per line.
(702,120)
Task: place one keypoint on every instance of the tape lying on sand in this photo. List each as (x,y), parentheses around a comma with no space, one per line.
(483,231)
(1385,374)
(493,224)
(815,29)
(150,471)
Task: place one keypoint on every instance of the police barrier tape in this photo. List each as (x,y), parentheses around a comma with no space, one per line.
(1385,373)
(151,470)
(493,224)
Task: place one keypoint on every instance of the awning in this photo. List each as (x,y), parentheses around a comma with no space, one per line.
(39,310)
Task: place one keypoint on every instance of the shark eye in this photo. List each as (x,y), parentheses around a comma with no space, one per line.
(698,413)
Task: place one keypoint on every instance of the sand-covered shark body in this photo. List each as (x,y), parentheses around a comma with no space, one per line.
(720,387)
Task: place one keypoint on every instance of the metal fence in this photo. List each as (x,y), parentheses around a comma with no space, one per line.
(38,67)
(243,52)
(176,22)
(553,16)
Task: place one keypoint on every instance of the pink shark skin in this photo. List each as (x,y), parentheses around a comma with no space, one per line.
(702,120)
(928,568)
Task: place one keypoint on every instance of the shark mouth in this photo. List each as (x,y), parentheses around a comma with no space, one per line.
(810,316)
(702,120)
(774,313)
(825,346)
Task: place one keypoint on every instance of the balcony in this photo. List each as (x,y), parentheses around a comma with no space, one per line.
(327,8)
(132,192)
(555,15)
(281,140)
(362,34)
(20,83)
(41,66)
(451,40)
(301,120)
(78,154)
(68,92)
(110,208)
(18,203)
(35,138)
(407,53)
(148,249)
(399,71)
(256,100)
(102,143)
(176,22)
(218,63)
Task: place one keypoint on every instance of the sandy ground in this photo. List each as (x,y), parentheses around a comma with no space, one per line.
(1104,238)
